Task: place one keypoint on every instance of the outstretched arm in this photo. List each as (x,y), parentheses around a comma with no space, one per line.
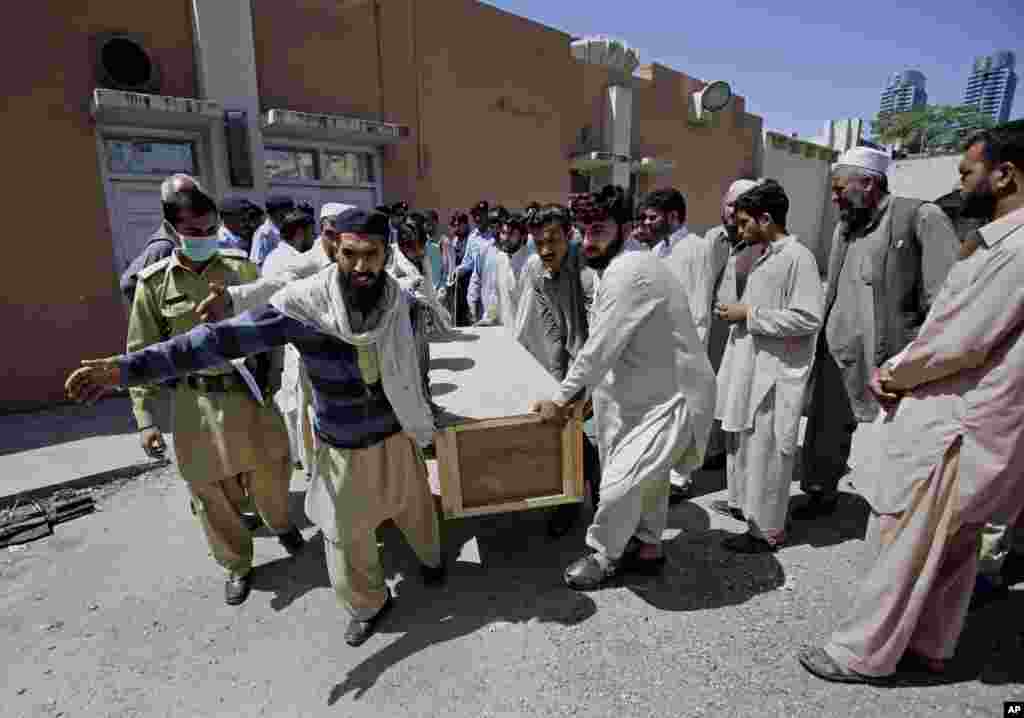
(206,346)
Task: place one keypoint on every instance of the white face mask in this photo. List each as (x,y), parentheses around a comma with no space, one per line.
(199,249)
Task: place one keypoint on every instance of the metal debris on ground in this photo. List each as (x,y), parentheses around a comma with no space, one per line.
(33,519)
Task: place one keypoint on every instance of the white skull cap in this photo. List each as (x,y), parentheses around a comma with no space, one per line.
(333,209)
(739,187)
(865,158)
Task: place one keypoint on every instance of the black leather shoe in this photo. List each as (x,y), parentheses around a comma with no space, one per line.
(252,522)
(589,573)
(292,541)
(358,631)
(433,575)
(236,590)
(816,507)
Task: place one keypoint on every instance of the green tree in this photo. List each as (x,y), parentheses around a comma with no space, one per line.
(932,128)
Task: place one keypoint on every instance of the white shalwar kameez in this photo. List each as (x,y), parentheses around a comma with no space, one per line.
(653,393)
(500,298)
(697,262)
(762,381)
(294,398)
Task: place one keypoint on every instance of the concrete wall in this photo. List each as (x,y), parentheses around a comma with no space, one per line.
(926,178)
(707,159)
(806,181)
(60,301)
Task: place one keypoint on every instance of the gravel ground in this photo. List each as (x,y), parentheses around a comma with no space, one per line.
(121,613)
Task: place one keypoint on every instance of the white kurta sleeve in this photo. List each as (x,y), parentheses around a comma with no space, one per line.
(250,296)
(623,302)
(804,308)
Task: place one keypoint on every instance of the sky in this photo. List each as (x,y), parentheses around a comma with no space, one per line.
(804,62)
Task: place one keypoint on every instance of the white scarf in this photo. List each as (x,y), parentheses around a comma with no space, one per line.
(318,301)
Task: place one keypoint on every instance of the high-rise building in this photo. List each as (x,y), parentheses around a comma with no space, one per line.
(992,85)
(903,93)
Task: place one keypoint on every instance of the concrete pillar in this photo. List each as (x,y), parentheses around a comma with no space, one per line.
(226,68)
(620,107)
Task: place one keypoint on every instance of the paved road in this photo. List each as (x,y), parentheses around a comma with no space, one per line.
(121,614)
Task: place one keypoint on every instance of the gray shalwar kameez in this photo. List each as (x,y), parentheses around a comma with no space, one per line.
(654,396)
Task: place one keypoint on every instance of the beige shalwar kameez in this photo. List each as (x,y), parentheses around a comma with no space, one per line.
(354,490)
(762,380)
(231,450)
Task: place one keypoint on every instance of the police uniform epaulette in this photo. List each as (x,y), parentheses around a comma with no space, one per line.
(232,253)
(155,267)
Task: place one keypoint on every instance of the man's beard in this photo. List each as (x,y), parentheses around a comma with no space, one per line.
(731,231)
(601,261)
(858,213)
(980,203)
(363,298)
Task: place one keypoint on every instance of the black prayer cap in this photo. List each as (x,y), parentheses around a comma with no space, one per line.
(359,221)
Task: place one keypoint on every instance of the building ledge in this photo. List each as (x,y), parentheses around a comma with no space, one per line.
(137,108)
(653,166)
(308,125)
(800,147)
(588,161)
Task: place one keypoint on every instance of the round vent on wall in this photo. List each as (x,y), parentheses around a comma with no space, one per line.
(123,63)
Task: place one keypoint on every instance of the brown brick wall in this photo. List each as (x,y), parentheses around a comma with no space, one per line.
(57,275)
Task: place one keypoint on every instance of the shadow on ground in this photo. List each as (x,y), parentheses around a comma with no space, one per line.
(505,568)
(849,522)
(70,422)
(452,363)
(700,573)
(441,388)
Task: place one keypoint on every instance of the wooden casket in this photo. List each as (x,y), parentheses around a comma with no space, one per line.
(493,454)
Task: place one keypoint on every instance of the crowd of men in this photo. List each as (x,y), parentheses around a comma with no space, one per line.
(684,351)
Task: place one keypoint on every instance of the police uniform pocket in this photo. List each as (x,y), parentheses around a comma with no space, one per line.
(179,312)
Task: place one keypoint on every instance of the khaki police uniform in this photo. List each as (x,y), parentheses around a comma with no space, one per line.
(231,450)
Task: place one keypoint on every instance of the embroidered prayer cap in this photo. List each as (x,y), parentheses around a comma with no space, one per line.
(333,209)
(359,221)
(865,158)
